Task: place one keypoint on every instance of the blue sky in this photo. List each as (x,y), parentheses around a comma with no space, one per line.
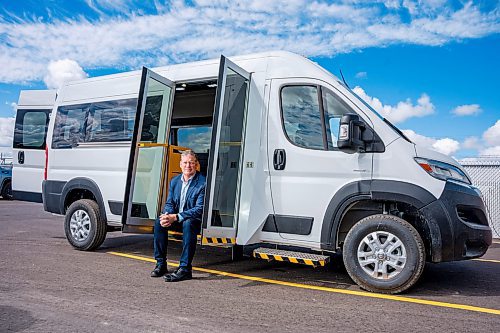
(431,67)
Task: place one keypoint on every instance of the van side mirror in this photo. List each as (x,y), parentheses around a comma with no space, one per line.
(350,133)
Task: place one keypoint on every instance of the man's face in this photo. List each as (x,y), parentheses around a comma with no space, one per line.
(188,166)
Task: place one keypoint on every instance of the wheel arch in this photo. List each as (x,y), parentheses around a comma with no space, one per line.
(360,199)
(81,188)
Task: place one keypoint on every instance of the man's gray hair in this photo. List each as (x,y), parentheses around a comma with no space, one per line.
(189,153)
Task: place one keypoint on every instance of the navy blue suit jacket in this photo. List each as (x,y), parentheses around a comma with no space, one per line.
(193,208)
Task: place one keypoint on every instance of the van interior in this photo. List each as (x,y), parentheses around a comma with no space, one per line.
(192,114)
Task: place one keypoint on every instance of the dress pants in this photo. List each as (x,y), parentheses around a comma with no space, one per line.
(190,229)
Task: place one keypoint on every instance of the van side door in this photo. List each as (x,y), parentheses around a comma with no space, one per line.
(222,194)
(146,182)
(306,167)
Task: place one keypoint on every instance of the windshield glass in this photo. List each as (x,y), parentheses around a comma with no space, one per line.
(391,125)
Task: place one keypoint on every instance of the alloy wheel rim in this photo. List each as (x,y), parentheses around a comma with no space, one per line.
(79,225)
(382,255)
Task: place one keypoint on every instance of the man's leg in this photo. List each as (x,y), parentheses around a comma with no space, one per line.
(190,230)
(160,249)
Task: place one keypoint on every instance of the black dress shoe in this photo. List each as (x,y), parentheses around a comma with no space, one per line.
(159,271)
(180,274)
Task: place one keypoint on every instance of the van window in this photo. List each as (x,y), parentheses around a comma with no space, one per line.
(334,109)
(69,128)
(31,129)
(302,116)
(111,121)
(108,121)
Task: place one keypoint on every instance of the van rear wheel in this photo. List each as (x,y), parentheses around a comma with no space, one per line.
(84,227)
(384,253)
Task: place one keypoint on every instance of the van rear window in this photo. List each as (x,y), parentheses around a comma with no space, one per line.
(109,121)
(31,129)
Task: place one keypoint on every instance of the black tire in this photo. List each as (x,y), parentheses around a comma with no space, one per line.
(393,276)
(7,191)
(89,234)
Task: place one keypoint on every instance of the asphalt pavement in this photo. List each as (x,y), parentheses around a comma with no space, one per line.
(47,286)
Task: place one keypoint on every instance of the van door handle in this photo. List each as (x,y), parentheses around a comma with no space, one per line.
(20,157)
(279,159)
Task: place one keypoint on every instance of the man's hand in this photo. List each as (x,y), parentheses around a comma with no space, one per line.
(166,220)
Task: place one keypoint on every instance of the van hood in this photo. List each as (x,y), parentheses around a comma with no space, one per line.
(434,155)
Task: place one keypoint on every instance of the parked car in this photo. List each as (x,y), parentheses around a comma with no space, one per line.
(6,181)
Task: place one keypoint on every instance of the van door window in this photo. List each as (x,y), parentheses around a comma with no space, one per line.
(302,118)
(31,129)
(334,108)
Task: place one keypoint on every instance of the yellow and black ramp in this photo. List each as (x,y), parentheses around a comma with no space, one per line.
(218,241)
(310,259)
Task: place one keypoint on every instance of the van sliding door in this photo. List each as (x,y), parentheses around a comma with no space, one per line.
(148,155)
(220,215)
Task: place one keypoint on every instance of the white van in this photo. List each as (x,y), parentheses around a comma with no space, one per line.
(32,117)
(293,158)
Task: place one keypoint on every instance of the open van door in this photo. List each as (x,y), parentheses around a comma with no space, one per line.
(146,184)
(32,119)
(220,212)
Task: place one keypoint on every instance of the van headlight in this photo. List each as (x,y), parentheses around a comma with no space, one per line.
(443,171)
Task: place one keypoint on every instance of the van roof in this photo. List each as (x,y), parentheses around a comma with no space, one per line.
(36,98)
(275,64)
(282,64)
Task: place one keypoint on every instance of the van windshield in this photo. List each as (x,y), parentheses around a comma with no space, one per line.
(391,125)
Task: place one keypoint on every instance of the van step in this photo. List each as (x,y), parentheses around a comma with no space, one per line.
(291,256)
(218,241)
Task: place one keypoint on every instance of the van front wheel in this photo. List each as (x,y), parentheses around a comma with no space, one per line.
(84,227)
(384,253)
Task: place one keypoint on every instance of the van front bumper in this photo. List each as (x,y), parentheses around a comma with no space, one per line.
(458,223)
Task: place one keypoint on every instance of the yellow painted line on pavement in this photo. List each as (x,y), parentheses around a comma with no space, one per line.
(177,233)
(488,260)
(328,289)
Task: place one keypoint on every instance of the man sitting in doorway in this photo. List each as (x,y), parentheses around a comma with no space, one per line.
(184,205)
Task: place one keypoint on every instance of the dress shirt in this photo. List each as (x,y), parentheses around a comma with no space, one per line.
(184,189)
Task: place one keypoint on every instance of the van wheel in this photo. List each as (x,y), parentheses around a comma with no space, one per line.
(384,253)
(7,191)
(84,227)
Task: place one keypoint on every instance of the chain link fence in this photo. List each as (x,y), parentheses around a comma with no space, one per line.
(485,174)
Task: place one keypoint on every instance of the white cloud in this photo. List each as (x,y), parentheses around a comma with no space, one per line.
(467,110)
(191,30)
(401,111)
(361,75)
(445,146)
(490,151)
(492,135)
(62,71)
(472,143)
(6,131)
(488,144)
